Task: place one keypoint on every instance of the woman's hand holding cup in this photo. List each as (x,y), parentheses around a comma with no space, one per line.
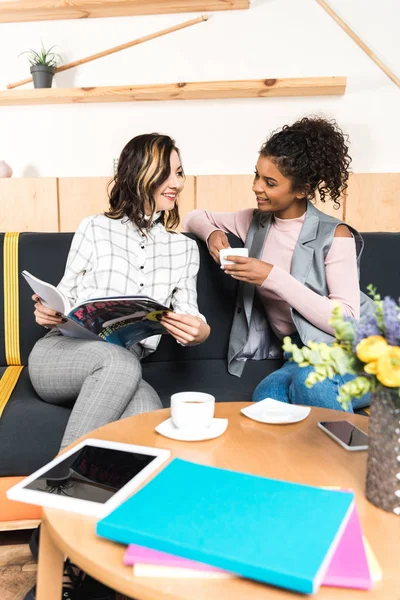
(216,242)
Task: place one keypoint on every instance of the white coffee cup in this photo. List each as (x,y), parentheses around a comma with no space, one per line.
(231,252)
(192,410)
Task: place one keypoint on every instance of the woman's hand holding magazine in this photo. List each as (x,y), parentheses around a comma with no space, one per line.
(46,317)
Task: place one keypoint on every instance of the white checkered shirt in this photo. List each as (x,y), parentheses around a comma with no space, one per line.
(110,257)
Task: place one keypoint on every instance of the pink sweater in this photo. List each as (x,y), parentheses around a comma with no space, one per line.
(281,290)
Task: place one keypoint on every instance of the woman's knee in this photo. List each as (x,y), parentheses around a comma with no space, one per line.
(323,394)
(116,361)
(144,400)
(43,348)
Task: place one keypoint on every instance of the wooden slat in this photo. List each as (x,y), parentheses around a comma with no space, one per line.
(203,90)
(28,204)
(47,10)
(372,202)
(80,197)
(359,42)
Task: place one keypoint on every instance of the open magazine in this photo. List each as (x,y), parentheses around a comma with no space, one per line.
(119,320)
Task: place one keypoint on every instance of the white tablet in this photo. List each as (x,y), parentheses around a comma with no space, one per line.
(92,478)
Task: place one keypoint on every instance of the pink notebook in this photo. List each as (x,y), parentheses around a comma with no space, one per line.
(146,556)
(348,567)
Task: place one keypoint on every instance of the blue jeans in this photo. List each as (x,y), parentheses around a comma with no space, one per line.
(287,384)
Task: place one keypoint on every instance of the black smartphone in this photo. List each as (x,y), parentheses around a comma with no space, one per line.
(346,434)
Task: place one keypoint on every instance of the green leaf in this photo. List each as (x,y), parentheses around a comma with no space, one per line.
(356,388)
(43,57)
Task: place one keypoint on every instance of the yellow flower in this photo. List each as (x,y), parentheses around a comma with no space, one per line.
(371,348)
(371,367)
(388,367)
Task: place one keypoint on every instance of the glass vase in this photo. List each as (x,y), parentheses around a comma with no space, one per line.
(383,470)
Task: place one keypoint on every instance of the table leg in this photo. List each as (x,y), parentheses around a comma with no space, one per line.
(50,567)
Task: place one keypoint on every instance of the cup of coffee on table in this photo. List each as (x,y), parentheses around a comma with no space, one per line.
(231,252)
(192,410)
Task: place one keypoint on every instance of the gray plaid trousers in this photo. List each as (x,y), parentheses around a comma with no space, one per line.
(103,380)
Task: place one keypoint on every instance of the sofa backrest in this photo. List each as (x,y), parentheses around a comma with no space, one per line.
(44,255)
(380,263)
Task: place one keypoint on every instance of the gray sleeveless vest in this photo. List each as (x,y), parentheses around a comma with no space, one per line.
(251,336)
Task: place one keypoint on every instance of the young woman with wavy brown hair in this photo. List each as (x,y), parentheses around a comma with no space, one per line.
(129,250)
(302,262)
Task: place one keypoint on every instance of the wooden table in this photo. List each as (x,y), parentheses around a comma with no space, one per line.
(299,452)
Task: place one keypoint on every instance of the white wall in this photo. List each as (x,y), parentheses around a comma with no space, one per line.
(275,38)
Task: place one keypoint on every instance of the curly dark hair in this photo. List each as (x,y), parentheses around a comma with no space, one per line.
(144,165)
(312,151)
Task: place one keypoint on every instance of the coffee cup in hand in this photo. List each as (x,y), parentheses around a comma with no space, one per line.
(192,410)
(231,252)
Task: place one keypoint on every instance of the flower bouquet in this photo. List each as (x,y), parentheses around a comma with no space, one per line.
(370,350)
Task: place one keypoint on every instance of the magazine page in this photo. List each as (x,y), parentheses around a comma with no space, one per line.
(48,293)
(121,321)
(54,299)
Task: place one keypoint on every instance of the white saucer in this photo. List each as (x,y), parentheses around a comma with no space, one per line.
(272,411)
(168,429)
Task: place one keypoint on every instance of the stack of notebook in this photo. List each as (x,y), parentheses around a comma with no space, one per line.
(192,520)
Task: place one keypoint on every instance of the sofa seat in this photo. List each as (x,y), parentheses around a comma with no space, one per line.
(30,430)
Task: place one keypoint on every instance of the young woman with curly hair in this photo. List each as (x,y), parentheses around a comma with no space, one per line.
(301,263)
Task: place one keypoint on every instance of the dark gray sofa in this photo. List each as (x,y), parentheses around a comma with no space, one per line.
(31,430)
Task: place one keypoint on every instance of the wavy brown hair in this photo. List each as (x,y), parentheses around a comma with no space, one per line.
(312,151)
(143,166)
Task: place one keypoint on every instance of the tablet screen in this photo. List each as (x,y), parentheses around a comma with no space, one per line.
(91,473)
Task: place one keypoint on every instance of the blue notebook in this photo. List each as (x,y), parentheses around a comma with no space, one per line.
(272,531)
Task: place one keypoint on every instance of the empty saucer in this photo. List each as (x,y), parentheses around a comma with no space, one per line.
(275,412)
(168,429)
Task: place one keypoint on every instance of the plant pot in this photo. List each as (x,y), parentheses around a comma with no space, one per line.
(42,76)
(383,471)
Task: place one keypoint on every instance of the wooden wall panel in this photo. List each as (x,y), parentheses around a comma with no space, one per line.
(80,197)
(224,193)
(187,200)
(328,208)
(233,192)
(372,202)
(28,204)
(48,204)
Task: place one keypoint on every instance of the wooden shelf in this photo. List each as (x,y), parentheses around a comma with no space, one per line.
(48,10)
(205,90)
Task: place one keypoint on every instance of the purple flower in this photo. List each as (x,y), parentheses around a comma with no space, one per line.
(349,319)
(366,327)
(391,320)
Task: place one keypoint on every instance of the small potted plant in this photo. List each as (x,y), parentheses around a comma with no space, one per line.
(369,350)
(43,65)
